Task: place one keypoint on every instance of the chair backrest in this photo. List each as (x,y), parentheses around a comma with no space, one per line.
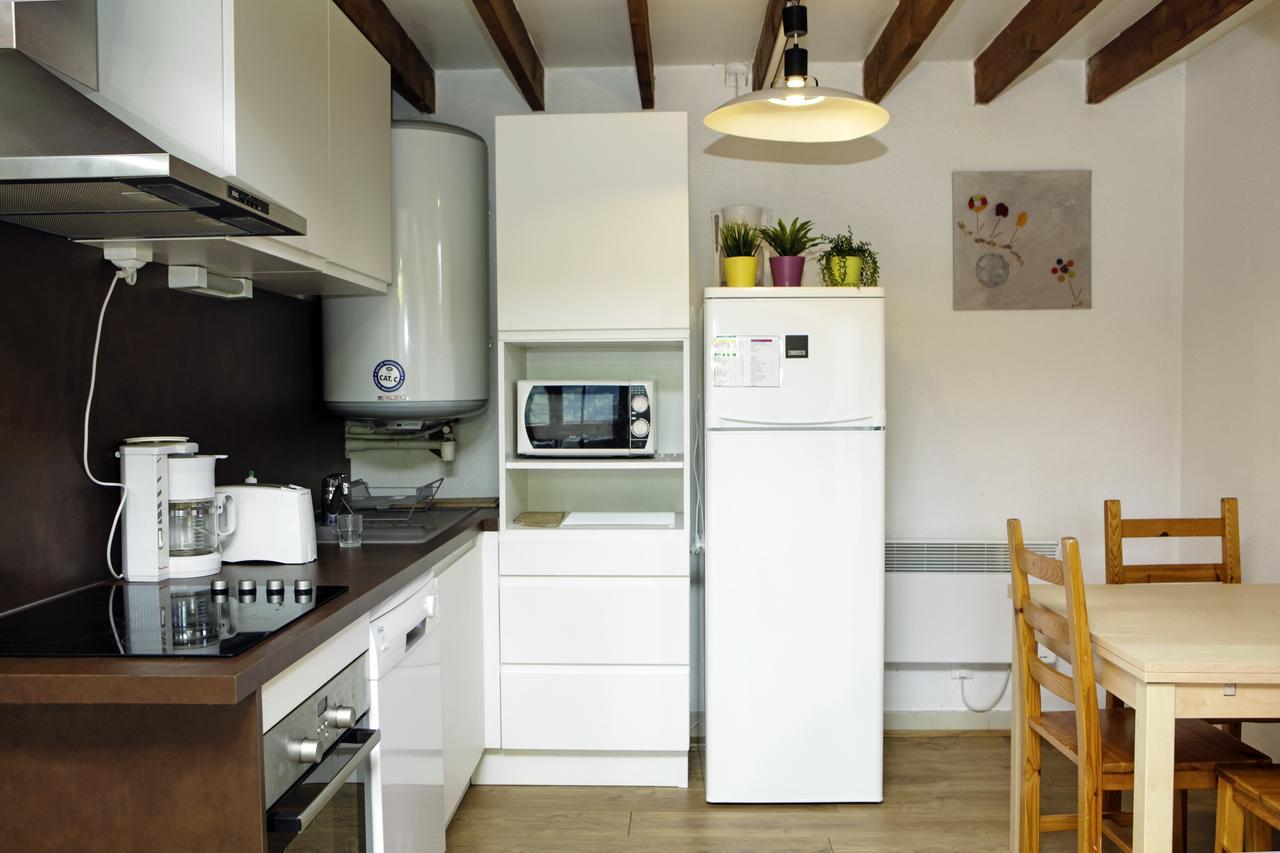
(1035,624)
(1226,527)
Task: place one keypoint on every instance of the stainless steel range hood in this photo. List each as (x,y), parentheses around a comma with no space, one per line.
(69,167)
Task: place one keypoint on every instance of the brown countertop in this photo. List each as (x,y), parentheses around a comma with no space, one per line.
(372,573)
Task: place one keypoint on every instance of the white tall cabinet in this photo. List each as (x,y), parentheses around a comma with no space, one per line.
(587,644)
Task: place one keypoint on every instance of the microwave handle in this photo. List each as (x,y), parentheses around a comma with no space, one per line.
(295,824)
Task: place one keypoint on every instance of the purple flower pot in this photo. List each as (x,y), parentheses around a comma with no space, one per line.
(787,271)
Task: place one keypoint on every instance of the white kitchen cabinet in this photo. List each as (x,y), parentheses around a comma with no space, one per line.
(592,221)
(285,97)
(359,152)
(462,669)
(595,621)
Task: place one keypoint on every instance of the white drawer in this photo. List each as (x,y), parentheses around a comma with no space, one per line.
(595,707)
(595,552)
(595,620)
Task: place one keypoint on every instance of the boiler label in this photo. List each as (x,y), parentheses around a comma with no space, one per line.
(388,376)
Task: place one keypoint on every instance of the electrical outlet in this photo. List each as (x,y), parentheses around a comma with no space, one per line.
(961,673)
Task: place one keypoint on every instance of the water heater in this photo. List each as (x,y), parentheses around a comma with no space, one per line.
(421,352)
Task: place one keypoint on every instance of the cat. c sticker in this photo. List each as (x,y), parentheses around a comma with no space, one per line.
(388,376)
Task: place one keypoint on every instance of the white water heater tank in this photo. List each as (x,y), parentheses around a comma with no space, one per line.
(421,352)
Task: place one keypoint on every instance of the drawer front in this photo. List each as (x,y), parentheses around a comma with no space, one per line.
(595,621)
(595,708)
(647,553)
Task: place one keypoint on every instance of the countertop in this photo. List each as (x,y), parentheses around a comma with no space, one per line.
(373,573)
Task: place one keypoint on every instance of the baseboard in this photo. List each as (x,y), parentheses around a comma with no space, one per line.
(996,722)
(537,767)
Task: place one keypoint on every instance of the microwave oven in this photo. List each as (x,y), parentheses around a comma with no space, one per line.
(577,418)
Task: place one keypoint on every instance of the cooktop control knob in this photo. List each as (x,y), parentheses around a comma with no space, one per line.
(639,405)
(640,427)
(218,587)
(302,586)
(340,716)
(304,751)
(275,585)
(248,585)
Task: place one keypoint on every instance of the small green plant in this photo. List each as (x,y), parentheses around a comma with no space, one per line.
(739,239)
(790,240)
(834,261)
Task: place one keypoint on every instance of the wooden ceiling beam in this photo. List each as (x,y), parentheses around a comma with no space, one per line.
(511,36)
(908,28)
(770,30)
(1155,37)
(1036,28)
(411,74)
(642,44)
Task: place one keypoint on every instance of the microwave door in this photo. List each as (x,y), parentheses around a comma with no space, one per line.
(578,419)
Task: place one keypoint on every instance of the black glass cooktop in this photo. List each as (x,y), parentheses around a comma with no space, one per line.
(175,619)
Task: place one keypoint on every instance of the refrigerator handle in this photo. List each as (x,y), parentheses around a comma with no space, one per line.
(802,423)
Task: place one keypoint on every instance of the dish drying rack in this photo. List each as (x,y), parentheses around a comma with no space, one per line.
(391,517)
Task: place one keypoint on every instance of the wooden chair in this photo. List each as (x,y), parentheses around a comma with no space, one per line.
(1099,742)
(1226,527)
(1248,808)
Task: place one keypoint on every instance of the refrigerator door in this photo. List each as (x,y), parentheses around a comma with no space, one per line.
(794,616)
(798,361)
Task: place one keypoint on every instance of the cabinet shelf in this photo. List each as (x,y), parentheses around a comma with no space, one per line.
(663,461)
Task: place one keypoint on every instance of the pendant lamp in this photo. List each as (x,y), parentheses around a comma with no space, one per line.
(793,110)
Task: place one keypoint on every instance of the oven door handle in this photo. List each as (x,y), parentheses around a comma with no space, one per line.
(296,824)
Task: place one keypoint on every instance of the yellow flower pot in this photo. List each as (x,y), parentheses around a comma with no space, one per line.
(740,272)
(852,272)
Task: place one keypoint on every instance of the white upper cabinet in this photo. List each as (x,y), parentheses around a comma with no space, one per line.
(593,222)
(359,151)
(285,97)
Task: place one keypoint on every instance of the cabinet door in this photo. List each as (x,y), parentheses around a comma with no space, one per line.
(462,672)
(593,221)
(359,151)
(281,104)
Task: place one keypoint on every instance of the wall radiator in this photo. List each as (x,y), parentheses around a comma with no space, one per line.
(947,601)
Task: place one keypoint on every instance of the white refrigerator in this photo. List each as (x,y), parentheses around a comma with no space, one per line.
(794,533)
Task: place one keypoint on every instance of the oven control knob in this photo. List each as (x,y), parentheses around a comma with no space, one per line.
(305,751)
(340,716)
(639,427)
(639,405)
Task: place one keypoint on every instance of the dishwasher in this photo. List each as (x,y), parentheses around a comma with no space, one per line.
(407,769)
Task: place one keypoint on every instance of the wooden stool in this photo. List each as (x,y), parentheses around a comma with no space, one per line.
(1248,808)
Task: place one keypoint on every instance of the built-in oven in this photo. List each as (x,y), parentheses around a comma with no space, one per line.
(316,768)
(576,418)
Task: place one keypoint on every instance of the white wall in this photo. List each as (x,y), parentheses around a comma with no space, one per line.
(1037,414)
(1231,308)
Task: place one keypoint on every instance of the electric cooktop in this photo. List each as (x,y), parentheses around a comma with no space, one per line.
(175,619)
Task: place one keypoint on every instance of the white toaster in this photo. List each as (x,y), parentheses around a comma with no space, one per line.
(274,524)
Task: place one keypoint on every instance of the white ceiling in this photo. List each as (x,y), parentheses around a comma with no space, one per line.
(595,33)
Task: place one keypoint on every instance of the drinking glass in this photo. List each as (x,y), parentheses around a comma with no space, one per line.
(350,530)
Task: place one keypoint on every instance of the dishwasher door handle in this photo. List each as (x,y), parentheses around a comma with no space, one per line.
(295,823)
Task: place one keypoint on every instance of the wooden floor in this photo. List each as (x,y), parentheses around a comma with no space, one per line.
(942,795)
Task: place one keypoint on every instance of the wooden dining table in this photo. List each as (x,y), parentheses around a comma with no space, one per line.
(1183,650)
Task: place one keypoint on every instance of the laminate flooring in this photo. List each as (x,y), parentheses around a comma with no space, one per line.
(942,795)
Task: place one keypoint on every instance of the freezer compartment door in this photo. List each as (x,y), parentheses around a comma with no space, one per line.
(794,362)
(794,616)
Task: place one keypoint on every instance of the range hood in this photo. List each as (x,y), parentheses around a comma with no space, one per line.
(68,167)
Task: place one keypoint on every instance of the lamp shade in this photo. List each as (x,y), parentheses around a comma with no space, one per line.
(808,114)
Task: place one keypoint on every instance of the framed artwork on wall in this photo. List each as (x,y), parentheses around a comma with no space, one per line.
(1022,240)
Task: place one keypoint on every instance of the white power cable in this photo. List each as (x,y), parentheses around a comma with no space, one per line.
(130,276)
(1008,675)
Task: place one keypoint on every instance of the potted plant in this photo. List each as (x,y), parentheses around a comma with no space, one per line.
(849,263)
(739,242)
(790,242)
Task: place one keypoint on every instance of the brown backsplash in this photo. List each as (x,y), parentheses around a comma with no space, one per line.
(239,377)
